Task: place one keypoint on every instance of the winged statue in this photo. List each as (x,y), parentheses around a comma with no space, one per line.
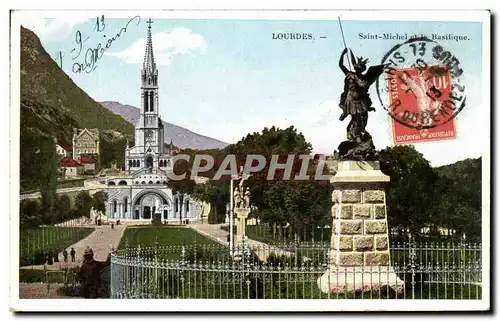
(355,102)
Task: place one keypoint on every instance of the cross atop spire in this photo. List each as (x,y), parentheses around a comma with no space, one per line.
(149,65)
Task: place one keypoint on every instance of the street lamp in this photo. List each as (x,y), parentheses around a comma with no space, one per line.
(180,198)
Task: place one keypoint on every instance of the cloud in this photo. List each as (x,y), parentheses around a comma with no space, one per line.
(53,28)
(166,45)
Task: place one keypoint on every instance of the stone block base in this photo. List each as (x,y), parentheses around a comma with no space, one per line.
(359,279)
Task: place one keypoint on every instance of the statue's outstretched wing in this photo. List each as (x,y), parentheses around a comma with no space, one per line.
(374,72)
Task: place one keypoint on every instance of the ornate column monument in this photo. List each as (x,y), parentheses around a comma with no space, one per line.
(359,250)
(241,209)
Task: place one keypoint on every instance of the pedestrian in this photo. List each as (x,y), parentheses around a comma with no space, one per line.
(65,256)
(50,258)
(72,253)
(90,274)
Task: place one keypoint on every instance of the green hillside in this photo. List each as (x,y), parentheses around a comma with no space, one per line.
(51,106)
(44,82)
(461,195)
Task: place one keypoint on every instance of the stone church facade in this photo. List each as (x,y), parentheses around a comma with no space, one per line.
(144,190)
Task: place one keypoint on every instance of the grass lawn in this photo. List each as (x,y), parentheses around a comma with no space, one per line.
(35,241)
(166,236)
(170,239)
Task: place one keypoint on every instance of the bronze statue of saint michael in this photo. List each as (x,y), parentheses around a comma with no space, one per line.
(355,101)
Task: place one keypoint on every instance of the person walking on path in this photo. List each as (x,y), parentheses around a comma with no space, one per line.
(72,252)
(65,256)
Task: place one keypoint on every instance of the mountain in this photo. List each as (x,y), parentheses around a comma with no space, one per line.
(181,137)
(44,82)
(51,105)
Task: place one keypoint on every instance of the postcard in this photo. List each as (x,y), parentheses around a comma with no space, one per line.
(269,160)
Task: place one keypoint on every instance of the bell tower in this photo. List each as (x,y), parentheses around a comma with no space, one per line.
(148,132)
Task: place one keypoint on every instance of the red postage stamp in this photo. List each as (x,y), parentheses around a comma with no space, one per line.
(423,94)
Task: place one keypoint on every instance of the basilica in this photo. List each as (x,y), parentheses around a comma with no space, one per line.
(144,191)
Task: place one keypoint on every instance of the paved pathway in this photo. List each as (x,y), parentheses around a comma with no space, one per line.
(39,291)
(214,232)
(101,241)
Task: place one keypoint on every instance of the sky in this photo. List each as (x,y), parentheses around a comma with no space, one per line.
(226,78)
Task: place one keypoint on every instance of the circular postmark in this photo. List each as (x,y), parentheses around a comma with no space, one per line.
(422,82)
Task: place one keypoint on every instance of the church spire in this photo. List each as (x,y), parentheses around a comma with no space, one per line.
(149,65)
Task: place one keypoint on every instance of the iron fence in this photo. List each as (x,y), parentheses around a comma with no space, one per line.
(292,271)
(271,234)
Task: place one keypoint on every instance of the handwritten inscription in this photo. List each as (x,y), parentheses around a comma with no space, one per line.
(84,58)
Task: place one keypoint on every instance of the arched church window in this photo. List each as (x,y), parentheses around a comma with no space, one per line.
(130,163)
(151,101)
(137,182)
(150,182)
(125,204)
(114,206)
(158,182)
(164,182)
(187,205)
(143,182)
(146,101)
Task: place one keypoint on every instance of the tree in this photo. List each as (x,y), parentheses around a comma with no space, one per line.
(271,141)
(111,151)
(99,201)
(217,194)
(83,204)
(63,208)
(185,185)
(412,189)
(29,214)
(302,204)
(459,207)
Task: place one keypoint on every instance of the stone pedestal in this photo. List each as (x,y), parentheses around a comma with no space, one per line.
(359,250)
(241,215)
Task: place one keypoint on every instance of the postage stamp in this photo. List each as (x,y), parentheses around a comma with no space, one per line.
(425,93)
(250,160)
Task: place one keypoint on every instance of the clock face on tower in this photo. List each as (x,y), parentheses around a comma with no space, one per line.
(150,135)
